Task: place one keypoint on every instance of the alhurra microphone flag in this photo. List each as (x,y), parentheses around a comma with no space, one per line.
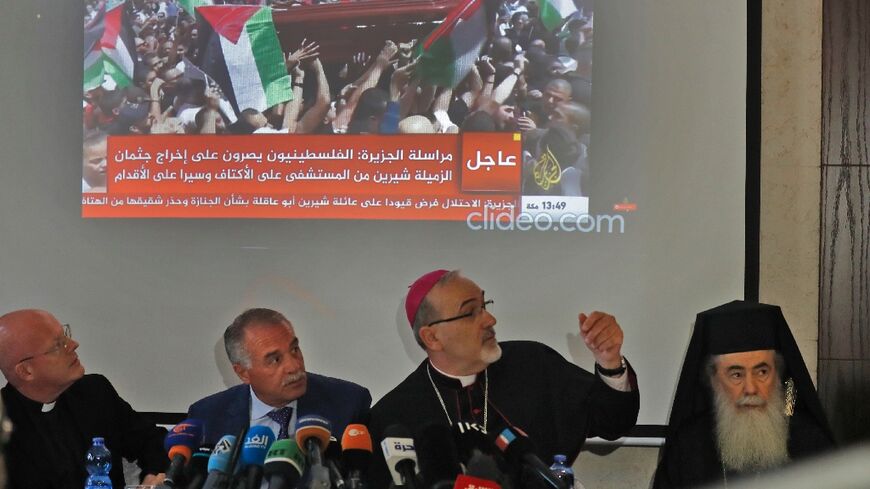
(450,51)
(109,47)
(243,55)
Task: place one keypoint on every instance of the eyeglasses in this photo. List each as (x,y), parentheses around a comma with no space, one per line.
(61,344)
(475,313)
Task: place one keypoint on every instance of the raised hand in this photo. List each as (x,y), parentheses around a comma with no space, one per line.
(603,336)
(305,51)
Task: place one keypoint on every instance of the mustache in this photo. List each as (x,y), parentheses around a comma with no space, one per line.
(751,401)
(294,377)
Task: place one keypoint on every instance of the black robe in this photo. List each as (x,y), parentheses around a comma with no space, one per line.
(691,458)
(47,450)
(555,402)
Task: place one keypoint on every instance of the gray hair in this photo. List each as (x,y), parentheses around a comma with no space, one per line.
(426,313)
(234,336)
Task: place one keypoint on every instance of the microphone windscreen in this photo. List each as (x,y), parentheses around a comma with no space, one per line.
(356,437)
(184,438)
(398,448)
(220,454)
(484,466)
(284,460)
(520,451)
(437,454)
(257,441)
(469,437)
(199,461)
(356,445)
(470,482)
(313,427)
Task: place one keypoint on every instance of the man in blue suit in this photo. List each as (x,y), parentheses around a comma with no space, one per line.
(276,389)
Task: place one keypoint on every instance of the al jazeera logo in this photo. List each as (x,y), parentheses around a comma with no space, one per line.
(546,171)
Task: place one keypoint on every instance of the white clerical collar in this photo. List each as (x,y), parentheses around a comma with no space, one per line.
(47,407)
(260,409)
(465,380)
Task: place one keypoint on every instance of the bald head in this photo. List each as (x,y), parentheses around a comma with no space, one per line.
(19,331)
(501,49)
(36,356)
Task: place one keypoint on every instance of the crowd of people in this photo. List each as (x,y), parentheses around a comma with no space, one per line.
(527,78)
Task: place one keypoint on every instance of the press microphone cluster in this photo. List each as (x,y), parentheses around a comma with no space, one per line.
(253,459)
(518,450)
(464,457)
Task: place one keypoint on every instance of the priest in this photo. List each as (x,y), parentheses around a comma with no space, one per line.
(468,376)
(56,410)
(745,403)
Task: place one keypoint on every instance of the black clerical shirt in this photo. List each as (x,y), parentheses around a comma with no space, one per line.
(48,444)
(532,387)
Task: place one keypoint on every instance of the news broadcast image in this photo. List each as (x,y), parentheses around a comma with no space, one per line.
(462,110)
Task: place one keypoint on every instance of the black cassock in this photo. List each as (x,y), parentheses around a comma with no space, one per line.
(692,459)
(47,449)
(532,387)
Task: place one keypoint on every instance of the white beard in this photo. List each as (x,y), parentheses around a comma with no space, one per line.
(751,439)
(492,354)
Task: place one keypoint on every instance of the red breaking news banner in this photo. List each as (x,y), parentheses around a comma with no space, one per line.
(430,177)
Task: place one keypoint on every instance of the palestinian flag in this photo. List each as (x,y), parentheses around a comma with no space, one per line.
(242,54)
(109,48)
(449,52)
(554,12)
(189,5)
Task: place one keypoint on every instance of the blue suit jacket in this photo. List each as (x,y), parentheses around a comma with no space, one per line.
(339,401)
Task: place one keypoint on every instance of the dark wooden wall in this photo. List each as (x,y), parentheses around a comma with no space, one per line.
(844,306)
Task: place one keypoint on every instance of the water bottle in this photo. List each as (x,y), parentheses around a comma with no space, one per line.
(99,463)
(562,471)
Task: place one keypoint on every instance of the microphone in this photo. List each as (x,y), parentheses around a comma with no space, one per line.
(197,469)
(469,437)
(356,444)
(518,450)
(179,444)
(333,453)
(284,464)
(401,458)
(437,455)
(254,448)
(484,470)
(218,464)
(465,481)
(312,435)
(232,464)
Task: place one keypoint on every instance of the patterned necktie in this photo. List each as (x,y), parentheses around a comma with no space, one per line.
(282,417)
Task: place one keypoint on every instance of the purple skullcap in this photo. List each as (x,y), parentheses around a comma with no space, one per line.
(418,290)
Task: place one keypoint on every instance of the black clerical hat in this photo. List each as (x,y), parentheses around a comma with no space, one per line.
(740,326)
